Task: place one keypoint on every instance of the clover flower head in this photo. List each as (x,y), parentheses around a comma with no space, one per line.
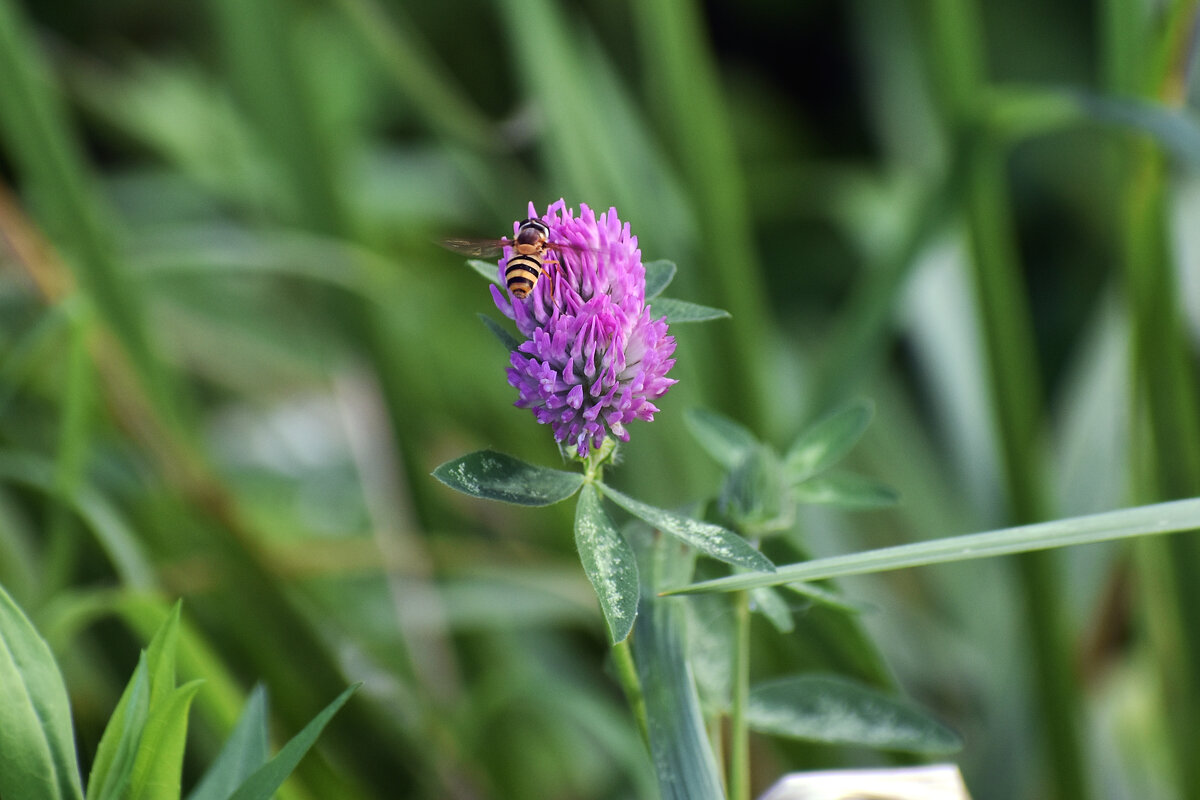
(594,357)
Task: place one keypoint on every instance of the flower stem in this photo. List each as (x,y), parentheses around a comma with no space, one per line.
(627,674)
(739,731)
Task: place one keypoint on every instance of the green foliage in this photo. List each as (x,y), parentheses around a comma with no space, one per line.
(831,709)
(37,748)
(230,360)
(140,755)
(609,563)
(496,476)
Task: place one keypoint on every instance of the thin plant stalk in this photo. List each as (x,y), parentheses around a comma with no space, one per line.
(739,730)
(627,676)
(1165,417)
(1014,384)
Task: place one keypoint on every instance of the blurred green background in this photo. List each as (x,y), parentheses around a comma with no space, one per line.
(232,354)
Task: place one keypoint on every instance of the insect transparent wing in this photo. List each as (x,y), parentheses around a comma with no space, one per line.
(480,248)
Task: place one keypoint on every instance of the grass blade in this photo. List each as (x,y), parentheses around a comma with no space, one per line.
(684,762)
(270,776)
(1180,515)
(243,752)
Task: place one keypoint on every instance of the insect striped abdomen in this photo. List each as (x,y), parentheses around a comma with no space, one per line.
(521,273)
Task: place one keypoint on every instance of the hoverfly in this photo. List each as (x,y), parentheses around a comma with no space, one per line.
(528,261)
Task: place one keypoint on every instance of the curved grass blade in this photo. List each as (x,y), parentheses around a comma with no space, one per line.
(506,338)
(1179,515)
(659,275)
(834,710)
(678,311)
(683,760)
(112,532)
(270,776)
(713,540)
(845,490)
(243,752)
(828,441)
(722,438)
(609,563)
(37,745)
(498,476)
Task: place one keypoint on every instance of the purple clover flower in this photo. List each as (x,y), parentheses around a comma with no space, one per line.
(594,357)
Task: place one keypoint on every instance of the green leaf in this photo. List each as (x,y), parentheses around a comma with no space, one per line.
(160,657)
(37,745)
(609,563)
(243,752)
(845,489)
(270,776)
(753,494)
(498,476)
(159,762)
(112,768)
(678,311)
(825,598)
(488,269)
(826,442)
(767,601)
(1179,515)
(713,540)
(722,438)
(835,710)
(683,760)
(659,275)
(498,330)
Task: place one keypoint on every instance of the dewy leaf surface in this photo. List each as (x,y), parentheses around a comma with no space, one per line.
(834,710)
(713,540)
(37,746)
(609,563)
(498,476)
